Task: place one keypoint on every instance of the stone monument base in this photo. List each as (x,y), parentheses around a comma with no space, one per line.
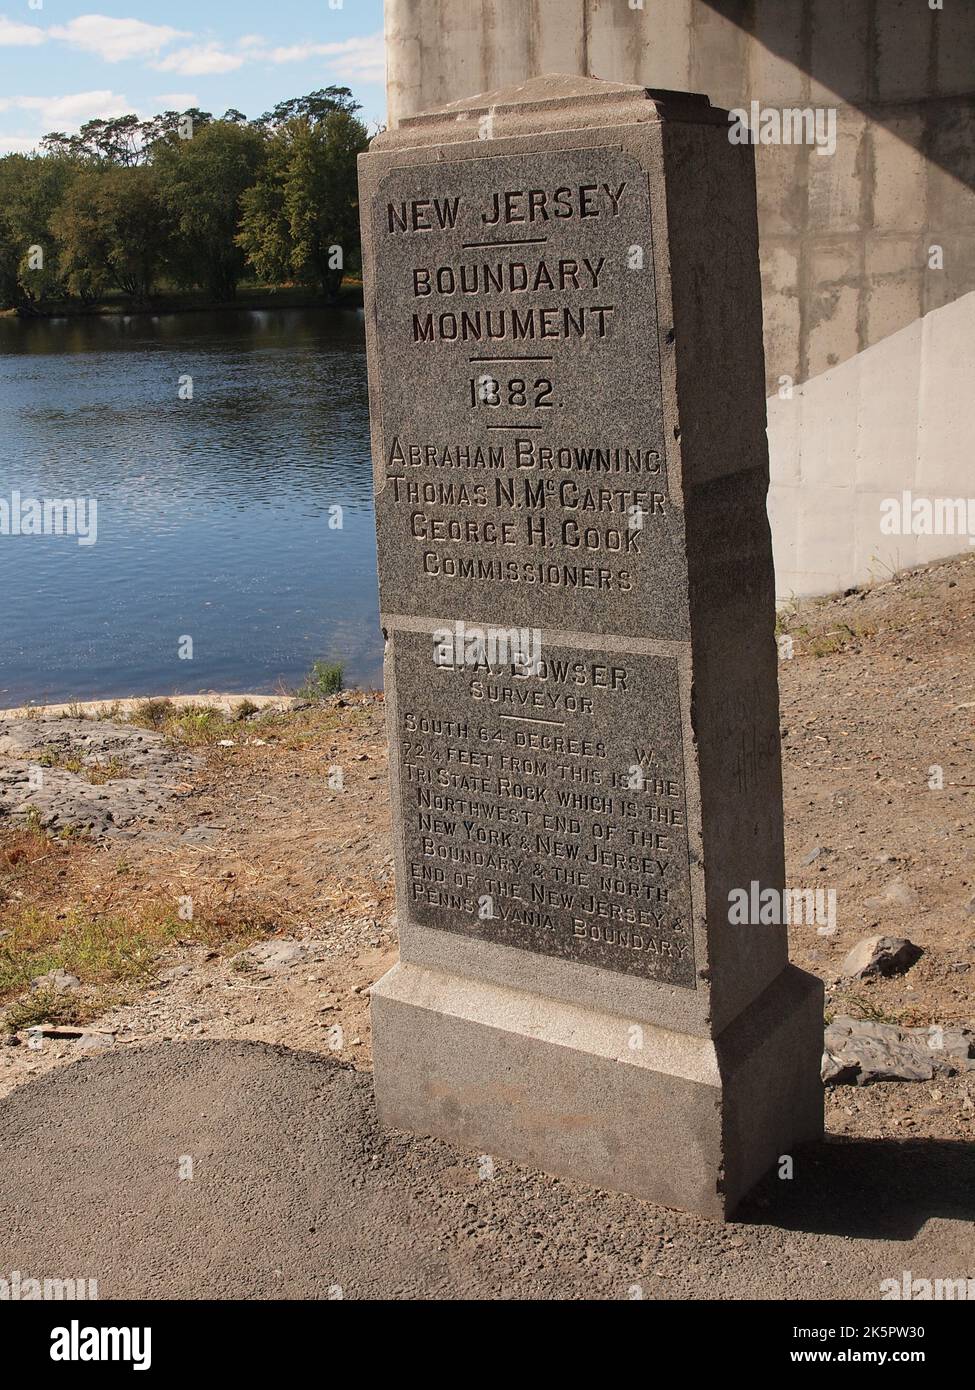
(678,1119)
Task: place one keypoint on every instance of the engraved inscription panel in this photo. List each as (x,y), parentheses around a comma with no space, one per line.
(547,811)
(520,422)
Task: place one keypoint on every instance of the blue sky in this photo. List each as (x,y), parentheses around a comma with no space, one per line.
(62,63)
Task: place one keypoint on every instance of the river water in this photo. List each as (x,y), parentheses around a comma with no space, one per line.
(240,519)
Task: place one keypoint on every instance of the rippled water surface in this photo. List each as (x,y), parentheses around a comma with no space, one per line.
(212,513)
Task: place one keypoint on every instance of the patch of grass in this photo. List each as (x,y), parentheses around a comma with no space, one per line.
(785,616)
(275,722)
(111,771)
(196,726)
(98,773)
(324,679)
(151,714)
(52,756)
(29,821)
(859,1006)
(193,726)
(819,632)
(295,729)
(233,925)
(43,1006)
(244,709)
(840,638)
(98,948)
(112,934)
(21,849)
(112,712)
(32,823)
(113,954)
(827,645)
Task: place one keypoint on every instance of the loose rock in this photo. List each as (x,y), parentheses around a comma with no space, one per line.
(861,1051)
(58,980)
(880,955)
(895,894)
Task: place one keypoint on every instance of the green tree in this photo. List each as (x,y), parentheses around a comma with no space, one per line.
(112,231)
(172,125)
(201,181)
(117,140)
(313,108)
(31,189)
(301,219)
(124,140)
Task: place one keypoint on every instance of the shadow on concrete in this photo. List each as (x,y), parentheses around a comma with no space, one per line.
(898,76)
(892,67)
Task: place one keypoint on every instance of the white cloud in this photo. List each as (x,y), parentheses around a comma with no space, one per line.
(19,144)
(359,58)
(199,61)
(67,113)
(176,101)
(114,40)
(14,35)
(76,108)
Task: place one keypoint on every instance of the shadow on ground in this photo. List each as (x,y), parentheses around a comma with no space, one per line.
(873,1189)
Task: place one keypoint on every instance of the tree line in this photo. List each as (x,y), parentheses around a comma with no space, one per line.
(186,199)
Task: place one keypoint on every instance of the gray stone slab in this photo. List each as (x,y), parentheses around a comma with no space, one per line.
(514,446)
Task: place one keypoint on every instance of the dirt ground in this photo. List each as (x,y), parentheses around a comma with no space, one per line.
(878,689)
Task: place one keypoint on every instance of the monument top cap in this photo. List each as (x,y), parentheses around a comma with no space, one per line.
(554,101)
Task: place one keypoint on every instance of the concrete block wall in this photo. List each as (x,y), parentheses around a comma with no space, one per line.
(869,344)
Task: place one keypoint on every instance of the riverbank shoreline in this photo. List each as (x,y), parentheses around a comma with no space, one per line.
(122,707)
(282,297)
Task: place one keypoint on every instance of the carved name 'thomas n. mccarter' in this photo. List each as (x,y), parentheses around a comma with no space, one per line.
(567,401)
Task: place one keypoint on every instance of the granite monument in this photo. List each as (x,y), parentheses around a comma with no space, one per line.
(568,423)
